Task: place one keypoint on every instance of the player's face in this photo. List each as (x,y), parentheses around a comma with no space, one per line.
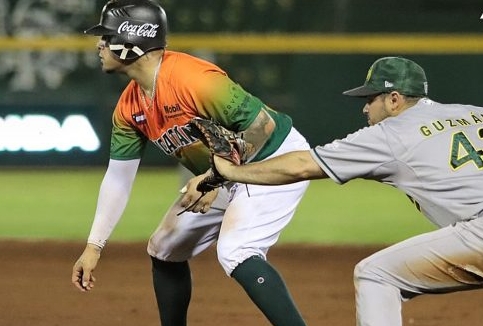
(109,61)
(376,109)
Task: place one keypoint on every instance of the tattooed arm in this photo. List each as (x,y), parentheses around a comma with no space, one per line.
(257,134)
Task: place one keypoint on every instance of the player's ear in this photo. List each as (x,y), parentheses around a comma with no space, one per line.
(396,101)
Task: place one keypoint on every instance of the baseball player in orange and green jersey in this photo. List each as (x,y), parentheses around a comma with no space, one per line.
(433,152)
(166,91)
(188,87)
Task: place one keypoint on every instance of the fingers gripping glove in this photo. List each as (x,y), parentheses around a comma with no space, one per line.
(221,142)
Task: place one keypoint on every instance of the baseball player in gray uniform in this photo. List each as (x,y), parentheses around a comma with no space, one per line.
(433,152)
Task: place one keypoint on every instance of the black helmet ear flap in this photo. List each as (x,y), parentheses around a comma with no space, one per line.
(135,27)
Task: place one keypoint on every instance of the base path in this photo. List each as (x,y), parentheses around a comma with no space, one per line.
(36,289)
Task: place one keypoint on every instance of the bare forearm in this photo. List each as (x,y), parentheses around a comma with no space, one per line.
(289,168)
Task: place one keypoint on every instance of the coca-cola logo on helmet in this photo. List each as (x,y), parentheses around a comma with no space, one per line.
(144,30)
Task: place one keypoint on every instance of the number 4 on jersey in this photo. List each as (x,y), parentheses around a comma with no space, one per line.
(463,151)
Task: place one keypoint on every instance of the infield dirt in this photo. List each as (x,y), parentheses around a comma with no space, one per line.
(36,289)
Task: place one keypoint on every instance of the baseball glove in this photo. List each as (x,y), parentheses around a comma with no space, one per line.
(221,142)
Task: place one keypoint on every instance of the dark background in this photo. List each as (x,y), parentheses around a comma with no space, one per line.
(306,86)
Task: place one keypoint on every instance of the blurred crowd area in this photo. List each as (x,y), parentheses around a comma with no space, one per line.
(38,70)
(26,17)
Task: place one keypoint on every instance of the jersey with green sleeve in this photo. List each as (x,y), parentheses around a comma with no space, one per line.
(186,87)
(430,151)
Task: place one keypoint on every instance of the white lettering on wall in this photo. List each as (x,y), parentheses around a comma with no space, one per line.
(38,133)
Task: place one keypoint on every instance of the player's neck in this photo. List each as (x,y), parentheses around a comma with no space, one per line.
(145,71)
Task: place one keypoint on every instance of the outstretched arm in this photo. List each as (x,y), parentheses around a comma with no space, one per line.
(113,196)
(288,168)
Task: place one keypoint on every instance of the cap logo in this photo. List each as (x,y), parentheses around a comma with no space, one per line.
(388,84)
(369,74)
(144,30)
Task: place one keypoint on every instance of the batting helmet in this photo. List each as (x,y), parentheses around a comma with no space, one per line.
(133,27)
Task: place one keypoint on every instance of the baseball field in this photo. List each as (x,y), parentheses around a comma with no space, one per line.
(46,215)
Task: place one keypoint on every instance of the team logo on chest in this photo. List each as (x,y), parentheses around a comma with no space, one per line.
(173,139)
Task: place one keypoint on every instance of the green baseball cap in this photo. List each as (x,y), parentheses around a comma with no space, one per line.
(393,74)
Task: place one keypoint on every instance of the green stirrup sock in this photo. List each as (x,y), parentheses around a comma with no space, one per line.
(268,291)
(172,286)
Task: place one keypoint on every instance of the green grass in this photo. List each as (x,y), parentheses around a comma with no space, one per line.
(359,212)
(60,204)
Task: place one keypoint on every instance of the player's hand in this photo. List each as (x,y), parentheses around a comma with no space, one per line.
(82,276)
(224,167)
(191,195)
